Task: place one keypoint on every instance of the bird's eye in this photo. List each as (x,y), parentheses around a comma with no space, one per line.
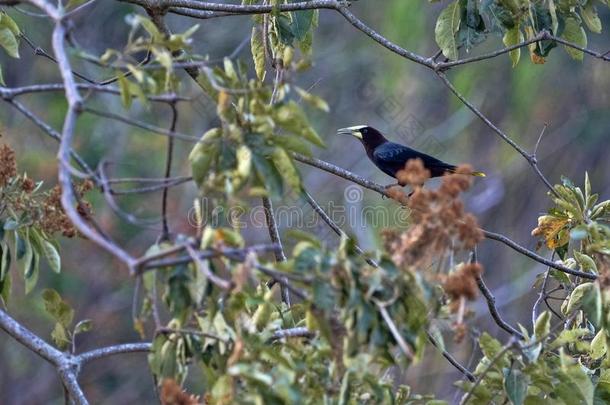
(364,130)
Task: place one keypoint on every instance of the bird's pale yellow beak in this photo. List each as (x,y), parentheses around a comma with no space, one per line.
(353,131)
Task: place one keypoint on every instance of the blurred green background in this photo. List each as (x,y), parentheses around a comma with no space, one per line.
(364,84)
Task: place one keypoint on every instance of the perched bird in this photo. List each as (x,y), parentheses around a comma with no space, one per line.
(391,157)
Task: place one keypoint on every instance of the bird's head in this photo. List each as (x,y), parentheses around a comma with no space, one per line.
(369,136)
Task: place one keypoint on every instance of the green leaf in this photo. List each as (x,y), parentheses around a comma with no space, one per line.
(57,307)
(292,143)
(222,389)
(21,246)
(590,17)
(290,117)
(286,168)
(598,345)
(587,186)
(284,29)
(268,175)
(501,14)
(149,26)
(568,336)
(447,24)
(258,53)
(344,393)
(575,386)
(9,42)
(543,325)
(2,78)
(203,154)
(585,262)
(472,29)
(5,288)
(554,19)
(512,37)
(31,275)
(60,336)
(7,22)
(592,305)
(5,259)
(136,72)
(602,390)
(577,297)
(83,326)
(301,23)
(315,101)
(574,33)
(124,88)
(515,384)
(47,249)
(489,346)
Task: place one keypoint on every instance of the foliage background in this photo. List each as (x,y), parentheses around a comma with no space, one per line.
(362,83)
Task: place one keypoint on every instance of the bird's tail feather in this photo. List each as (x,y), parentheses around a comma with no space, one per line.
(453,169)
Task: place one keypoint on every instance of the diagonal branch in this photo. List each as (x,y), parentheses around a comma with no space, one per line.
(452,360)
(531,159)
(102,352)
(491,304)
(338,171)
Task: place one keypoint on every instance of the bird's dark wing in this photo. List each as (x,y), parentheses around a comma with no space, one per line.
(391,157)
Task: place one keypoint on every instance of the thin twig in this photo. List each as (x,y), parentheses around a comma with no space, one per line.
(452,360)
(113,350)
(404,347)
(493,310)
(529,158)
(168,172)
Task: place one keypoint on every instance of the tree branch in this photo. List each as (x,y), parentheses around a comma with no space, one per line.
(452,360)
(102,352)
(493,310)
(338,171)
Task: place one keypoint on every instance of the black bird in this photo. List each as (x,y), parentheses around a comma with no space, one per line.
(391,157)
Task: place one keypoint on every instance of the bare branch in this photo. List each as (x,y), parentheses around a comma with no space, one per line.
(529,158)
(168,173)
(68,198)
(493,310)
(113,350)
(143,125)
(501,238)
(318,209)
(29,340)
(8,93)
(452,360)
(205,270)
(237,8)
(292,333)
(404,347)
